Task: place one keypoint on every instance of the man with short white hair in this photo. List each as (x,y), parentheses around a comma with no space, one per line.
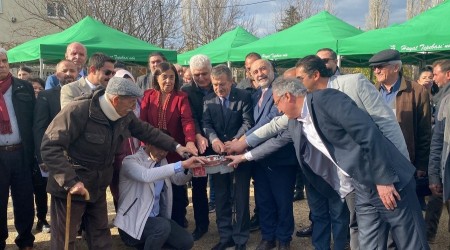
(77,53)
(17,102)
(197,89)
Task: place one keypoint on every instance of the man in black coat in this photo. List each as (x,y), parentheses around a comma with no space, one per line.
(16,154)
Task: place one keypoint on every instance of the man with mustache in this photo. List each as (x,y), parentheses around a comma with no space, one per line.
(47,107)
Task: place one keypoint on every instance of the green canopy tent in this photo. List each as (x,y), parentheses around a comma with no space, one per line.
(305,38)
(423,38)
(218,50)
(93,34)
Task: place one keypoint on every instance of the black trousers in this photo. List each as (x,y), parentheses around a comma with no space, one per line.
(200,202)
(40,198)
(16,176)
(180,202)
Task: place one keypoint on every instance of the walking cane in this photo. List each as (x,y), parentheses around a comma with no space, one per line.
(68,208)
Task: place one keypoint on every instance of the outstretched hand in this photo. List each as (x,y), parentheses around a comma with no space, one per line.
(182,151)
(193,162)
(236,147)
(235,160)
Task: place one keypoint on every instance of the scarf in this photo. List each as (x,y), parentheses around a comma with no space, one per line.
(162,109)
(5,122)
(108,109)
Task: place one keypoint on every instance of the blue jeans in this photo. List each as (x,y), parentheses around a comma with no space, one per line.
(328,216)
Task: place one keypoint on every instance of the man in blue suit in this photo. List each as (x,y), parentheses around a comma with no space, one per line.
(274,175)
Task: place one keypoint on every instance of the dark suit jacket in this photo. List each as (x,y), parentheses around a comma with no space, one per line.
(355,142)
(179,121)
(196,96)
(238,121)
(47,107)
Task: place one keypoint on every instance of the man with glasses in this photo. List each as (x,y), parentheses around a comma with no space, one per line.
(329,57)
(100,70)
(144,82)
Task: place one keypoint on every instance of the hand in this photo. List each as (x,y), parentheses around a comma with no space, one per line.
(43,167)
(235,160)
(183,150)
(191,146)
(236,147)
(202,143)
(421,173)
(218,146)
(388,196)
(79,189)
(436,189)
(193,162)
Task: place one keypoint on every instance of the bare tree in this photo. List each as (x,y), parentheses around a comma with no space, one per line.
(205,20)
(329,6)
(378,16)
(294,12)
(415,7)
(148,20)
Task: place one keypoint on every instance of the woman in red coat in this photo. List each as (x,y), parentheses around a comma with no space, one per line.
(167,108)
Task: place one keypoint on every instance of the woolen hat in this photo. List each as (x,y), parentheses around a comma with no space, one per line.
(384,56)
(123,87)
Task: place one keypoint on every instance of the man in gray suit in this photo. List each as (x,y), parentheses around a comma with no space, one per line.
(100,70)
(363,94)
(144,82)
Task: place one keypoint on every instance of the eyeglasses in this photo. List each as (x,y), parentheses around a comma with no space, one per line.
(109,72)
(380,66)
(326,60)
(278,101)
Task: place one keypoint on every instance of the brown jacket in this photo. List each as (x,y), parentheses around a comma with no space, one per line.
(80,143)
(414,116)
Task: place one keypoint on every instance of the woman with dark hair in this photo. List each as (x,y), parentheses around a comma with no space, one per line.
(38,85)
(167,108)
(24,73)
(426,79)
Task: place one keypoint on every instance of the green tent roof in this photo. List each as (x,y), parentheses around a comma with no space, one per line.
(218,50)
(93,34)
(305,38)
(425,36)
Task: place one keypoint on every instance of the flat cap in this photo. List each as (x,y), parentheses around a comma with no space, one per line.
(384,56)
(123,87)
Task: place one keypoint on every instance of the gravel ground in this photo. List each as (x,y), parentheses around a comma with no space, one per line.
(212,237)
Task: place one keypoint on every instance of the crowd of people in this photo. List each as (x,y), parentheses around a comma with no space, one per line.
(367,155)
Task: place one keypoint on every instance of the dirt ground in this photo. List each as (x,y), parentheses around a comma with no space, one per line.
(211,238)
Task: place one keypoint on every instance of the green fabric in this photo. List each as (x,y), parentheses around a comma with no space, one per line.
(427,32)
(218,50)
(305,38)
(93,34)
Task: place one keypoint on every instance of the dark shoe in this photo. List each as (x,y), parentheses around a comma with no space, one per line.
(26,248)
(240,247)
(198,233)
(266,245)
(43,226)
(254,223)
(305,232)
(211,207)
(284,246)
(298,196)
(223,245)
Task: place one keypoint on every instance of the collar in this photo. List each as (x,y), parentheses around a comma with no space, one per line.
(330,84)
(395,87)
(108,108)
(305,112)
(91,85)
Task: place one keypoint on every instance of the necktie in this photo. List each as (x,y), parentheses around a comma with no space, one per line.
(224,106)
(262,97)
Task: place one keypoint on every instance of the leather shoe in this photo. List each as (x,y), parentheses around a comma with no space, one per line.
(298,196)
(198,233)
(26,248)
(284,246)
(240,247)
(266,245)
(223,245)
(305,232)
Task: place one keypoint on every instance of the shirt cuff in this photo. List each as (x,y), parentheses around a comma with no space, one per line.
(178,145)
(248,156)
(177,167)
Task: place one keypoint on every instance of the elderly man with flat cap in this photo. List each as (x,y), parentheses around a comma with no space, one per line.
(78,148)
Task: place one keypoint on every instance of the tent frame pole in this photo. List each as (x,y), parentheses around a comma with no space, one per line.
(41,68)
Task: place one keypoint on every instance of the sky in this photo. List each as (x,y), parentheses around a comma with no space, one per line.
(351,11)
